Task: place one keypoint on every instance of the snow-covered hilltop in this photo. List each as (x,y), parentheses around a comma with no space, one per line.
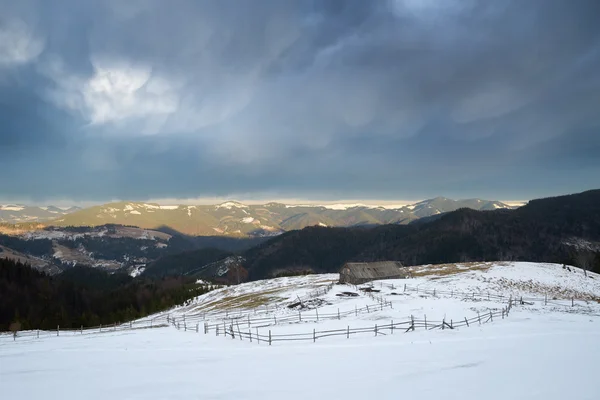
(509,331)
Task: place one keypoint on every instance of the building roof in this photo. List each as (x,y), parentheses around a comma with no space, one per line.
(374,270)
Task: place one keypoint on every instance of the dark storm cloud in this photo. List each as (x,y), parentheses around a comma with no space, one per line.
(386,99)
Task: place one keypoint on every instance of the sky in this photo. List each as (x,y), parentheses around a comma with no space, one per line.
(317,99)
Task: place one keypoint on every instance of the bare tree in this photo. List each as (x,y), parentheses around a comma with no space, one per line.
(14,328)
(584,259)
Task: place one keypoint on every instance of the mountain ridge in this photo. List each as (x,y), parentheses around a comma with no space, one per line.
(236,219)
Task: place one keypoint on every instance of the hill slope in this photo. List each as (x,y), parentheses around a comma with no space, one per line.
(508,357)
(539,231)
(16,213)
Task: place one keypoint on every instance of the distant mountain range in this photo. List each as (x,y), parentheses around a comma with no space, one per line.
(560,229)
(16,213)
(240,220)
(564,229)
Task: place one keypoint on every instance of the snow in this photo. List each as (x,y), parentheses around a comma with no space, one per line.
(343,206)
(322,224)
(169,207)
(231,204)
(545,352)
(346,206)
(151,206)
(137,270)
(248,220)
(12,208)
(515,358)
(135,212)
(129,207)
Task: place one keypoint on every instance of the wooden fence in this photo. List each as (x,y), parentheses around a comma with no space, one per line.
(244,320)
(235,331)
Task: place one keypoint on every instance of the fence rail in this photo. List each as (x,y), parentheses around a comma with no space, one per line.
(569,301)
(234,331)
(259,318)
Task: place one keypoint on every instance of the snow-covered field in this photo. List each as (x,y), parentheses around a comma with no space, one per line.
(545,349)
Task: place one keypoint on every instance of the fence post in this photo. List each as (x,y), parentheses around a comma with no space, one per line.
(81,329)
(348,332)
(425,322)
(572,301)
(546,299)
(317,311)
(478,317)
(38,334)
(405,287)
(314,335)
(130,324)
(100,327)
(250,335)
(114,326)
(491,317)
(269,337)
(451,325)
(299,316)
(197,324)
(57,330)
(275,318)
(434,292)
(338,313)
(257,336)
(466,322)
(392,327)
(217,330)
(375,329)
(367,309)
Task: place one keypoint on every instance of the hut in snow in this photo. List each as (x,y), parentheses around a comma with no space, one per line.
(357,273)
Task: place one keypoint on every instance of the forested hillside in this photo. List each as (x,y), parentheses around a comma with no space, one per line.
(543,230)
(83,297)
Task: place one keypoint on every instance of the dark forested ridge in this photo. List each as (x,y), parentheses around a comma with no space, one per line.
(83,296)
(182,263)
(538,231)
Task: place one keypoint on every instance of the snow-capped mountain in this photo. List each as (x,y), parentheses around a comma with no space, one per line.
(236,219)
(15,213)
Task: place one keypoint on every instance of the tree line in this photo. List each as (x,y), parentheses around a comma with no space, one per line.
(84,296)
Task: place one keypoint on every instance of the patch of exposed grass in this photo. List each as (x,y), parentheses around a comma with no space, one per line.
(440,270)
(247,301)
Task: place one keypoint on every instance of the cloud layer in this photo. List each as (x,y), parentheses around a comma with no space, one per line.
(348,99)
